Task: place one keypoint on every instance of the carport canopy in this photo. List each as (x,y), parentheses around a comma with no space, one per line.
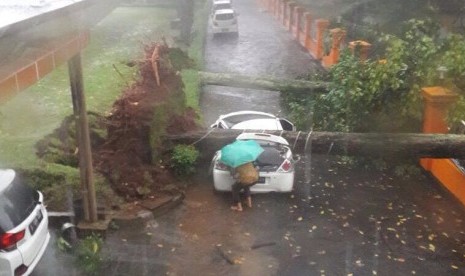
(36,37)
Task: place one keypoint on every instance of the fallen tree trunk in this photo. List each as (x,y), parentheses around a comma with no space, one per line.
(266,83)
(338,143)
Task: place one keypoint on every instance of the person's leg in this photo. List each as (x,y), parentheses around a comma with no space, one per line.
(248,196)
(236,189)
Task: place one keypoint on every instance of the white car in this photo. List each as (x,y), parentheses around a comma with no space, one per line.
(275,165)
(224,21)
(252,120)
(221,5)
(24,234)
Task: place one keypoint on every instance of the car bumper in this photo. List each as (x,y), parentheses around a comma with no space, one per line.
(271,182)
(230,29)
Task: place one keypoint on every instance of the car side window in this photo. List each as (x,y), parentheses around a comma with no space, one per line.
(286,125)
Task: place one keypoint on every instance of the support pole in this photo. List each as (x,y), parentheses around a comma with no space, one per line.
(83,138)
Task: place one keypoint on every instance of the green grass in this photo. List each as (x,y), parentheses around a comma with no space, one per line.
(37,111)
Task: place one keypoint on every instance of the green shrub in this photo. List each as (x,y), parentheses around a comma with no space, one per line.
(183,159)
(88,256)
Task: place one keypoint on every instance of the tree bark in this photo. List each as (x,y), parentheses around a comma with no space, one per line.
(264,82)
(338,143)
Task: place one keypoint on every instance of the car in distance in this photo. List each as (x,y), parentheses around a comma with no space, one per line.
(224,21)
(252,120)
(221,5)
(275,165)
(24,234)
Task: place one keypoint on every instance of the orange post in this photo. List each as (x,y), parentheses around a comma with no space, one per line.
(307,30)
(360,48)
(277,8)
(337,36)
(284,16)
(321,26)
(290,19)
(437,101)
(298,11)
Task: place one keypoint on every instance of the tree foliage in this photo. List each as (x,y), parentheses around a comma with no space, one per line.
(383,94)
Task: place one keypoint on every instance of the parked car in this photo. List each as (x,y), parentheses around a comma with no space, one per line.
(221,5)
(275,164)
(252,120)
(224,21)
(216,1)
(24,234)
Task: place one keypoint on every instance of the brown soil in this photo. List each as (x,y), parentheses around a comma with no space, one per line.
(126,156)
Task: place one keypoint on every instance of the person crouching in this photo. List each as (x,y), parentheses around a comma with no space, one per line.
(245,176)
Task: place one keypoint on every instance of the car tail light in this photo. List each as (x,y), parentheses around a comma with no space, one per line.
(222,167)
(8,240)
(20,270)
(286,166)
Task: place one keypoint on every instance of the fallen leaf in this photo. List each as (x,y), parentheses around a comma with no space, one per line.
(160,245)
(299,218)
(454,267)
(432,247)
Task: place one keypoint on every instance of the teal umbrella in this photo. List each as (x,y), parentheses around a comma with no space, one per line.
(240,152)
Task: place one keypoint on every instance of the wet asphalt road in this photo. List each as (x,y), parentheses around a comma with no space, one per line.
(338,221)
(263,47)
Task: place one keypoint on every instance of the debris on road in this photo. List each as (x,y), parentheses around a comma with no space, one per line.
(260,245)
(228,256)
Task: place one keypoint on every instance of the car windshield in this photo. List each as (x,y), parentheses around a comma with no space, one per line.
(235,119)
(224,16)
(17,202)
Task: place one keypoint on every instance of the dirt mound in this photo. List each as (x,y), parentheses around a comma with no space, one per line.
(126,157)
